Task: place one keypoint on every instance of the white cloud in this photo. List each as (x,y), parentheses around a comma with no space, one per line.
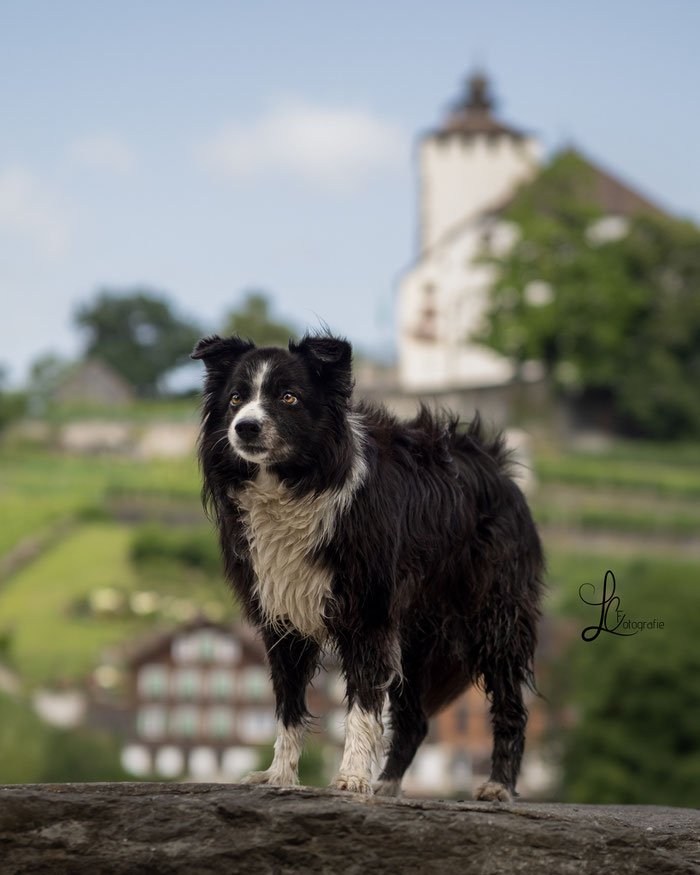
(104,152)
(331,147)
(29,209)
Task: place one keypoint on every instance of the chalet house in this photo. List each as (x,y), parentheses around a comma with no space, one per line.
(94,382)
(202,704)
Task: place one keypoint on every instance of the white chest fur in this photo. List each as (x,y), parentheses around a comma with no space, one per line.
(283,532)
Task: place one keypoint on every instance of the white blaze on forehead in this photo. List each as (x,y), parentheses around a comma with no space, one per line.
(254,408)
(259,378)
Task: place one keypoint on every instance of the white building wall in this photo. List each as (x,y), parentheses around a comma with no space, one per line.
(438,354)
(462,176)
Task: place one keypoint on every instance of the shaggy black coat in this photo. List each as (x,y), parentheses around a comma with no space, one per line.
(436,564)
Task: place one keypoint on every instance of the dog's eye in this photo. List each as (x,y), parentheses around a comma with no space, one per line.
(288,398)
(235,399)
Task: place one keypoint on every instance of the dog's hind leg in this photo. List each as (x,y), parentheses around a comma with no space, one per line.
(293,660)
(409,727)
(504,682)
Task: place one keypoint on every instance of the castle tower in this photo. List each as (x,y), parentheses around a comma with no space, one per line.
(470,164)
(469,169)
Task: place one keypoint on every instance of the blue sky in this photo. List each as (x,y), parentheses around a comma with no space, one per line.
(204,148)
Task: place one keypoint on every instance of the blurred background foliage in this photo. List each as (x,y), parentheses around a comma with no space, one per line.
(139,334)
(254,319)
(613,316)
(632,704)
(36,753)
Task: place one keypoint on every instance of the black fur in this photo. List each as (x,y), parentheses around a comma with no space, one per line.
(436,564)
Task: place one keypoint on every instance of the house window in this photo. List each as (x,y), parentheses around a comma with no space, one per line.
(426,326)
(136,759)
(207,645)
(236,761)
(203,763)
(170,761)
(256,685)
(220,722)
(461,770)
(335,686)
(153,681)
(220,684)
(461,719)
(150,721)
(226,650)
(184,721)
(335,724)
(257,725)
(187,683)
(184,648)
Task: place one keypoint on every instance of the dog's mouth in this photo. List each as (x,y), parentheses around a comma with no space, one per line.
(249,447)
(251,451)
(261,454)
(252,448)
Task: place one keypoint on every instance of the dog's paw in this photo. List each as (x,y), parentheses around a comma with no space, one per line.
(493,791)
(387,788)
(273,779)
(351,783)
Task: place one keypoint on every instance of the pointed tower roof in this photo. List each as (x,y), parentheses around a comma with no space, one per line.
(473,113)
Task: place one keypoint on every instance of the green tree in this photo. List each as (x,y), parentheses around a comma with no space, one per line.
(253,319)
(46,374)
(616,318)
(31,751)
(637,698)
(138,334)
(12,404)
(82,755)
(23,743)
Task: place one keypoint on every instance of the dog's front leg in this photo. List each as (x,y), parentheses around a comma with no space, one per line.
(370,662)
(292,660)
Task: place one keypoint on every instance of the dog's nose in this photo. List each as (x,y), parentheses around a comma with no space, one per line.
(248,428)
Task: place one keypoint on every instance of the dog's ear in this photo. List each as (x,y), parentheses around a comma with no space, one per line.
(218,352)
(329,359)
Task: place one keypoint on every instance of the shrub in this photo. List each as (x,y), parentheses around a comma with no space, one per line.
(194,548)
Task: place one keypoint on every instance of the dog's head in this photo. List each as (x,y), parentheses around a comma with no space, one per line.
(275,405)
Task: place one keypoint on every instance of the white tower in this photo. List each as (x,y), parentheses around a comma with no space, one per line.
(471,164)
(469,169)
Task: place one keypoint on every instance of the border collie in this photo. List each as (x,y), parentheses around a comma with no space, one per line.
(404,546)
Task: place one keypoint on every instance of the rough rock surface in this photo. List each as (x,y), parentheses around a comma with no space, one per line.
(203,828)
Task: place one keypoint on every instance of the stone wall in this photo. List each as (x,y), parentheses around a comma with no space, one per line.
(214,828)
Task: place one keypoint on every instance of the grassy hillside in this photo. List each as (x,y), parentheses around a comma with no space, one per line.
(50,639)
(38,488)
(631,489)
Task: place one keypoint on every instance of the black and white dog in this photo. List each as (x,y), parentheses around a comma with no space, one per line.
(404,546)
